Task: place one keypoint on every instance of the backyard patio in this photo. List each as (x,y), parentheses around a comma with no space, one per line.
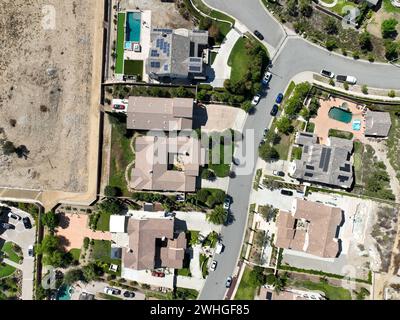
(324,122)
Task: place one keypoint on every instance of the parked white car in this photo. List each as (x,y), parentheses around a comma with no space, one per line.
(220,248)
(213,265)
(256,100)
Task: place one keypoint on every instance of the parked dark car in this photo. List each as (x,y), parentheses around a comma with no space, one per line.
(258,35)
(27,223)
(6,225)
(274,110)
(129,294)
(158,274)
(279,98)
(286,192)
(228,282)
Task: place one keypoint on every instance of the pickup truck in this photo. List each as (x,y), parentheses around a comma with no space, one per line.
(348,79)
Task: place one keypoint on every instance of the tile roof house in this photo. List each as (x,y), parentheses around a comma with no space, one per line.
(166,114)
(153,243)
(166,163)
(176,53)
(377,124)
(323,164)
(288,294)
(310,227)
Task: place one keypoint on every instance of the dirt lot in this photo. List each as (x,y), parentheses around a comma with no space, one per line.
(45,92)
(164,14)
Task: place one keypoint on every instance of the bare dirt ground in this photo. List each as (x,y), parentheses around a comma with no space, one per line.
(374,26)
(45,92)
(164,14)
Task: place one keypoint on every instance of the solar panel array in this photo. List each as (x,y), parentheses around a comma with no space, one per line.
(163,46)
(154,53)
(325,158)
(163,30)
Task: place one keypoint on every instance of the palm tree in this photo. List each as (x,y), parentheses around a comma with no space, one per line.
(217,216)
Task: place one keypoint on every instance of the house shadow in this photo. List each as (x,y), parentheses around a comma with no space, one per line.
(64,221)
(200,116)
(340,244)
(180,225)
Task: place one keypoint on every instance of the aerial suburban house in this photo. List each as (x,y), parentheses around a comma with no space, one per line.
(377,124)
(153,243)
(323,164)
(288,294)
(176,54)
(309,227)
(159,114)
(166,163)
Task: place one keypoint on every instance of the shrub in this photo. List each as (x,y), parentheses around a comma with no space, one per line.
(371,57)
(356,55)
(207,174)
(268,153)
(344,52)
(391,48)
(346,86)
(331,26)
(86,242)
(364,89)
(388,28)
(391,93)
(365,41)
(110,191)
(332,82)
(331,44)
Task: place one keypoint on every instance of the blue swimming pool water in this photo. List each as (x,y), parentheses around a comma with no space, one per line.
(356,125)
(133,25)
(340,115)
(64,293)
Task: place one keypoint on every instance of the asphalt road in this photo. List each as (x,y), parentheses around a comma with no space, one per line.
(295,56)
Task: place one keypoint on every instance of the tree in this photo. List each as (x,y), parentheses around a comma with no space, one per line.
(391,48)
(218,215)
(8,148)
(246,106)
(202,195)
(49,244)
(89,272)
(305,8)
(54,258)
(331,26)
(72,276)
(257,276)
(331,44)
(110,191)
(291,7)
(205,23)
(284,125)
(365,41)
(268,153)
(388,28)
(50,219)
(111,206)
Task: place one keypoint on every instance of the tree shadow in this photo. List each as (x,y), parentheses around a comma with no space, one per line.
(64,221)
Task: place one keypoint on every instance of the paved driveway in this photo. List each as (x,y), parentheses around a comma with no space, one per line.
(24,238)
(220,68)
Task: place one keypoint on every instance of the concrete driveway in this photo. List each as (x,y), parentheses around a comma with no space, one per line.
(24,238)
(221,70)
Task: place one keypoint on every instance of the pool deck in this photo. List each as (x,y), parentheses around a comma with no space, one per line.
(144,41)
(323,122)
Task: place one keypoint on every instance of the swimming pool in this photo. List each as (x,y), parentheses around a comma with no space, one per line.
(356,125)
(133,26)
(340,115)
(64,293)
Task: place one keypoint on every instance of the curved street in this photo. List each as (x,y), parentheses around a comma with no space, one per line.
(294,55)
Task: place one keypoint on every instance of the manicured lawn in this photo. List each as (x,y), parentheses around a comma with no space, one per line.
(310,127)
(6,270)
(340,5)
(296,153)
(239,60)
(283,146)
(331,292)
(184,272)
(388,7)
(213,55)
(121,156)
(246,290)
(221,169)
(11,253)
(103,224)
(119,64)
(134,67)
(76,253)
(203,265)
(102,250)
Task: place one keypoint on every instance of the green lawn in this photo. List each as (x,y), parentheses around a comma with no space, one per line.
(388,7)
(184,272)
(340,134)
(76,253)
(121,156)
(246,290)
(108,296)
(310,127)
(338,8)
(103,224)
(102,250)
(283,146)
(331,292)
(203,265)
(213,55)
(134,67)
(239,60)
(6,270)
(296,153)
(221,169)
(11,252)
(119,64)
